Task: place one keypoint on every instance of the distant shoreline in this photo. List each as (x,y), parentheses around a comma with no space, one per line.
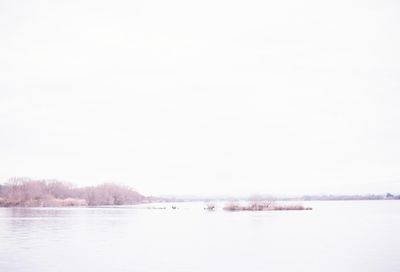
(79,203)
(296,198)
(25,192)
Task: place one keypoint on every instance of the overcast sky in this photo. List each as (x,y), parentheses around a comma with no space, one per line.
(203,97)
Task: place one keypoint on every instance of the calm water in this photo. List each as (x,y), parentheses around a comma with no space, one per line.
(335,236)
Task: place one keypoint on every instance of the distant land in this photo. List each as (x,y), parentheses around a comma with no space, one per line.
(26,192)
(322,197)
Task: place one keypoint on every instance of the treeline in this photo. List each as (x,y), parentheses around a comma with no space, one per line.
(25,192)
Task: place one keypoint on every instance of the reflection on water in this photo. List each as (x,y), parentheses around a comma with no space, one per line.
(335,236)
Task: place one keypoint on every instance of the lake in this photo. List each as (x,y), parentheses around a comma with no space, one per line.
(334,236)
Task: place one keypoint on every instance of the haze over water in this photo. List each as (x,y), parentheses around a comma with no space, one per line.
(334,236)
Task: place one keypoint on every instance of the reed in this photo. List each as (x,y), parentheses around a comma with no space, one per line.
(264,206)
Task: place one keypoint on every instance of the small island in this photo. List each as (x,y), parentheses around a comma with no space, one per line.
(264,206)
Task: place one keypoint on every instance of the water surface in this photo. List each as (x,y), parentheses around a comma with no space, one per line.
(334,236)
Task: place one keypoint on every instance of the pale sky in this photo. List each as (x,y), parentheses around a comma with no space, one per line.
(203,97)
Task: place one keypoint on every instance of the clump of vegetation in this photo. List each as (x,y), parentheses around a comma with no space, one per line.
(25,192)
(263,206)
(210,206)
